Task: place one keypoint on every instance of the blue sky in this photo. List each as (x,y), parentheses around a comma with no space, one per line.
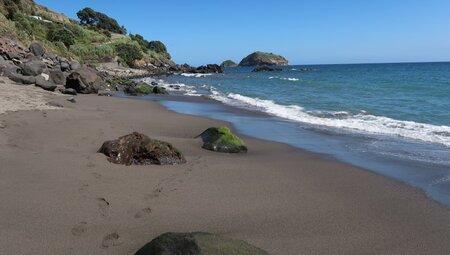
(305,32)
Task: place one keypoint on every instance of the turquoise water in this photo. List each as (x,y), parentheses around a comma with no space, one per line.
(404,100)
(393,119)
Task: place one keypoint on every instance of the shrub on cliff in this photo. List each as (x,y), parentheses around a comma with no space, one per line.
(61,34)
(128,53)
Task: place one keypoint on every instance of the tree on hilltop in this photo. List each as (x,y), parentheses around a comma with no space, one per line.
(89,17)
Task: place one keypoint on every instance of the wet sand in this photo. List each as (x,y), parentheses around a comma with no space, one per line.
(59,196)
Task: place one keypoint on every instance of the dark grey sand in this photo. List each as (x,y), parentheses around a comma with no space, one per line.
(58,196)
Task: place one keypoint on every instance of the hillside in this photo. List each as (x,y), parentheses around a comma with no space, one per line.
(25,21)
(262,58)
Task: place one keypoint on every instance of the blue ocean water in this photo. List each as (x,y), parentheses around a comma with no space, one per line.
(409,100)
(393,119)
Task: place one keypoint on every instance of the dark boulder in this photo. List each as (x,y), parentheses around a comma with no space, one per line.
(19,78)
(37,49)
(105,93)
(12,56)
(222,140)
(69,92)
(85,81)
(7,68)
(159,90)
(44,84)
(130,90)
(57,77)
(267,69)
(65,66)
(74,65)
(33,68)
(198,243)
(139,149)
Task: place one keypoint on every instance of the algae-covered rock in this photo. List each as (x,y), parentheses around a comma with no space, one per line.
(143,88)
(139,149)
(159,90)
(198,243)
(222,140)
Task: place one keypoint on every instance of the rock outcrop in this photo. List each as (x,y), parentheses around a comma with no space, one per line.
(222,140)
(228,63)
(267,69)
(139,149)
(263,59)
(85,81)
(198,243)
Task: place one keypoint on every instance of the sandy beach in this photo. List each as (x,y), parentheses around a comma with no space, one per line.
(59,196)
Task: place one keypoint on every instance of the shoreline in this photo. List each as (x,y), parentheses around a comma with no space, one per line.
(276,197)
(397,169)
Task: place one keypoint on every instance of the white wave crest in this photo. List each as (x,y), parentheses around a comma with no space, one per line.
(195,75)
(284,78)
(359,122)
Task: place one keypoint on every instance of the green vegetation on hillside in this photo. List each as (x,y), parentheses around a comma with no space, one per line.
(154,46)
(96,38)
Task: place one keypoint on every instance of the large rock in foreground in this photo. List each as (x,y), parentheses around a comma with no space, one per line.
(85,81)
(222,140)
(197,244)
(139,149)
(263,59)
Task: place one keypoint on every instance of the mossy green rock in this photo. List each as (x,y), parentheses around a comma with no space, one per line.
(139,149)
(143,88)
(159,90)
(222,140)
(197,243)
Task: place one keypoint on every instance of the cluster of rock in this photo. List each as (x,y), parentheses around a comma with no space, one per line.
(48,71)
(267,69)
(139,149)
(133,88)
(185,68)
(198,243)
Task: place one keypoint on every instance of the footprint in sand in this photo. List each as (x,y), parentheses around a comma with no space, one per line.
(79,229)
(111,240)
(103,205)
(97,175)
(90,164)
(84,187)
(143,212)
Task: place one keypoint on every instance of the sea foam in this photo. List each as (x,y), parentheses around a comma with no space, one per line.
(361,122)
